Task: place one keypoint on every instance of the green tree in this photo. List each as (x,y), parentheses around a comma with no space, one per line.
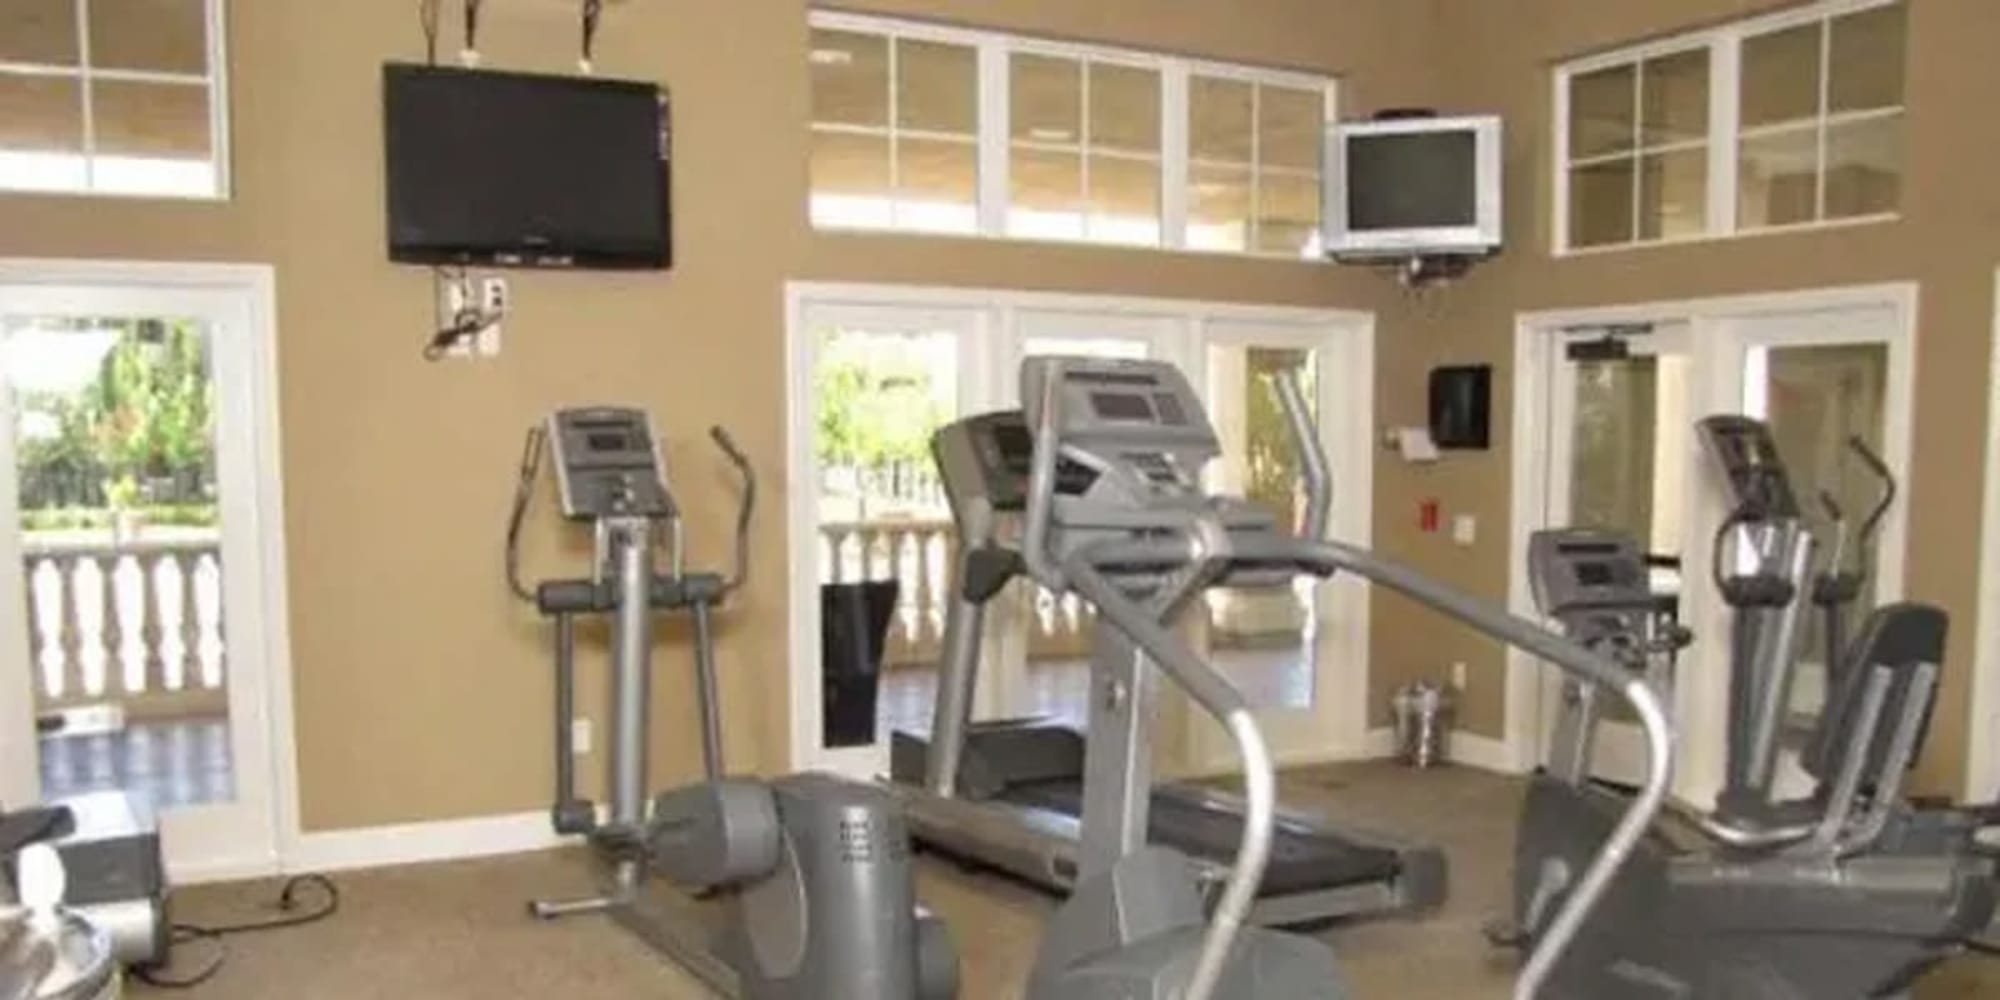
(1272,464)
(874,409)
(151,410)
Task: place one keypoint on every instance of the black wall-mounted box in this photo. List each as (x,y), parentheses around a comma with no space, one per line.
(1461,398)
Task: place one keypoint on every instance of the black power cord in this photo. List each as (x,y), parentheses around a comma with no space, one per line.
(1980,947)
(290,915)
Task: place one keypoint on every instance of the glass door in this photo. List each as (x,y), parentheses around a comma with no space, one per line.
(1297,653)
(882,379)
(1823,382)
(131,546)
(1622,458)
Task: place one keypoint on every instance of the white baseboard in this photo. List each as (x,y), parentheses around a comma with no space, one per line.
(1483,752)
(415,843)
(1379,743)
(223,870)
(1468,749)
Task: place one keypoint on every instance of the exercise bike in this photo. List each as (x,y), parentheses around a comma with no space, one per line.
(1762,899)
(805,881)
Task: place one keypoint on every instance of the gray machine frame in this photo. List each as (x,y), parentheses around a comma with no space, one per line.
(1045,845)
(1138,544)
(1848,892)
(811,874)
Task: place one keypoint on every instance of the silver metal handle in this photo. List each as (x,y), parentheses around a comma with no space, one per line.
(1312,455)
(1046,420)
(1571,658)
(1215,694)
(745,508)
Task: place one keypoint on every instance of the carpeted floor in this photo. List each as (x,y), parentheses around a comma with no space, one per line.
(460,929)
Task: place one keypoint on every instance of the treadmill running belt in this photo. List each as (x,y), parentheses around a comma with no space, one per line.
(1300,862)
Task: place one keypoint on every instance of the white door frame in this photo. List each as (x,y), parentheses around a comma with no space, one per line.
(244,354)
(1982,765)
(1710,321)
(1347,423)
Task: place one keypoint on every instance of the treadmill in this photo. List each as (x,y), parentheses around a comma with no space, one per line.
(1008,794)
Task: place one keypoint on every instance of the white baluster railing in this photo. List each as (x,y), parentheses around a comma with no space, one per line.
(136,624)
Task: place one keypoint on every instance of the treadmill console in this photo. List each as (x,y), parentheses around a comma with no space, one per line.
(608,464)
(988,458)
(1752,471)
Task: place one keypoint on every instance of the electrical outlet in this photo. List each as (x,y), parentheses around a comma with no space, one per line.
(494,299)
(579,736)
(1458,674)
(493,296)
(1464,529)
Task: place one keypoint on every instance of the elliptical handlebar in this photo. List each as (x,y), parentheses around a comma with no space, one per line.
(740,572)
(1872,524)
(1313,472)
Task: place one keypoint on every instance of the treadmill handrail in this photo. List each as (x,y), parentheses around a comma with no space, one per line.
(1306,445)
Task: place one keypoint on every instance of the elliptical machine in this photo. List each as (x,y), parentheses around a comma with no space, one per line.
(807,881)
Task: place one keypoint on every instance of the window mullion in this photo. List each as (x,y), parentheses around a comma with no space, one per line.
(895,142)
(1083,144)
(86,92)
(1725,80)
(1562,161)
(1174,153)
(1638,157)
(994,127)
(1825,97)
(1252,227)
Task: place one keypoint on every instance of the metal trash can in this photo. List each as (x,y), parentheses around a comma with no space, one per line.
(1423,713)
(47,953)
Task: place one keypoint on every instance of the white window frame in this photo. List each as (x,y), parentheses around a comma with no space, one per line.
(215,80)
(995,142)
(1725,133)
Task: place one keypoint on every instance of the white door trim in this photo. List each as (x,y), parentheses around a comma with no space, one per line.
(268,625)
(1982,765)
(1533,350)
(1002,306)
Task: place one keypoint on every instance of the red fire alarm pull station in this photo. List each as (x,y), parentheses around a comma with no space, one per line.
(1427,515)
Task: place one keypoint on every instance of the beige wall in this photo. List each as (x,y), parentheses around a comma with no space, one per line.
(1496,56)
(421,689)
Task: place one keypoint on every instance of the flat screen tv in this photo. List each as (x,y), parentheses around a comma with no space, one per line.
(515,169)
(1409,187)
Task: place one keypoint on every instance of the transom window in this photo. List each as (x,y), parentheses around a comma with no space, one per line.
(924,128)
(112,97)
(1789,120)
